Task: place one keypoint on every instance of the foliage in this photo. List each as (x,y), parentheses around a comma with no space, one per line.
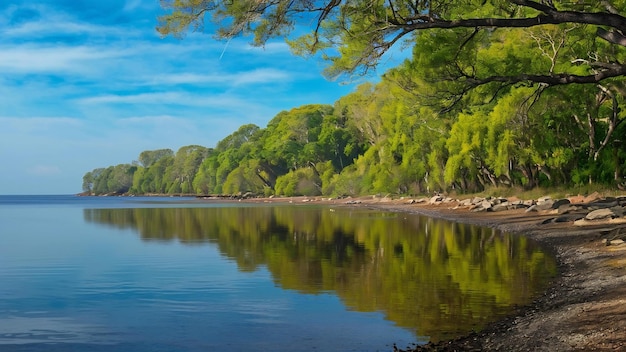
(353,35)
(301,182)
(387,138)
(489,99)
(116,179)
(149,157)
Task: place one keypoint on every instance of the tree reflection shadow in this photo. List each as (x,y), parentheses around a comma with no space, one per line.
(440,278)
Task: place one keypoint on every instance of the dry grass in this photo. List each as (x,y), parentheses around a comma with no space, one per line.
(555,192)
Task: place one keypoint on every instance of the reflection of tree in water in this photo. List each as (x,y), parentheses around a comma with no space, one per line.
(437,277)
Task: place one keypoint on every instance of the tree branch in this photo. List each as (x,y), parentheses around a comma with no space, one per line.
(554,79)
(555,17)
(612,36)
(534,5)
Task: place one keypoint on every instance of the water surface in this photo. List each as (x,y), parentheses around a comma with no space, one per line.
(180,274)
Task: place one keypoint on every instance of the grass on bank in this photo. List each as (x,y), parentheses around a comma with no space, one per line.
(535,193)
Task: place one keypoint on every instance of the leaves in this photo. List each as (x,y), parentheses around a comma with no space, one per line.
(474,107)
(353,35)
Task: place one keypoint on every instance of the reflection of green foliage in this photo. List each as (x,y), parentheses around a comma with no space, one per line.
(437,277)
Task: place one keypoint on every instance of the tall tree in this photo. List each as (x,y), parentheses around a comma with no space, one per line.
(353,35)
(244,134)
(186,163)
(149,157)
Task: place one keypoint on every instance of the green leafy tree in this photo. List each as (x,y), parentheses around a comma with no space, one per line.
(149,157)
(289,141)
(226,157)
(88,180)
(116,179)
(301,182)
(181,173)
(121,178)
(138,179)
(155,176)
(245,133)
(204,182)
(101,183)
(337,142)
(353,35)
(246,177)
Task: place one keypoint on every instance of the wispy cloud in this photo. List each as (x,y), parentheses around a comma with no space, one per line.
(166,98)
(270,48)
(37,58)
(257,76)
(60,25)
(39,20)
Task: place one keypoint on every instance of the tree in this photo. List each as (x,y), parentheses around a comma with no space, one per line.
(285,140)
(149,157)
(235,140)
(155,180)
(353,35)
(91,178)
(246,178)
(498,92)
(88,179)
(181,173)
(337,142)
(121,178)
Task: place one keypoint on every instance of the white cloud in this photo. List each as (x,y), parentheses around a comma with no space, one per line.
(257,76)
(60,26)
(37,58)
(167,98)
(261,76)
(46,21)
(270,48)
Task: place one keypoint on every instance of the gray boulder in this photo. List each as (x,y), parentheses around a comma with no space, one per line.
(560,202)
(435,200)
(477,200)
(501,206)
(600,214)
(485,204)
(619,211)
(544,205)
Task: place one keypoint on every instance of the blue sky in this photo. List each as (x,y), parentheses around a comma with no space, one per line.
(87,84)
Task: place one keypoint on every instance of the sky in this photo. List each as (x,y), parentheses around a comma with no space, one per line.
(90,83)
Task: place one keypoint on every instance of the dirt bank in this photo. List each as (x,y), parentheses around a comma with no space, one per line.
(585,308)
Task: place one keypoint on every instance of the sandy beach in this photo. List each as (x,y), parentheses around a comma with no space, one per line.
(584,308)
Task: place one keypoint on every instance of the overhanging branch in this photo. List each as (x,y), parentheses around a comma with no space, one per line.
(612,36)
(555,17)
(554,79)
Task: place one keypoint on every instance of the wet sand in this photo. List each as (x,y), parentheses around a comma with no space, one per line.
(585,307)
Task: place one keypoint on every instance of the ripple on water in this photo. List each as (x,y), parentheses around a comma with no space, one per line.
(35,328)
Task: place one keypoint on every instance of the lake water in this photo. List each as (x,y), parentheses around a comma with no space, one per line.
(181,274)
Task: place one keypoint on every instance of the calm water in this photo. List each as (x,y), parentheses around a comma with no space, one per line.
(176,274)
